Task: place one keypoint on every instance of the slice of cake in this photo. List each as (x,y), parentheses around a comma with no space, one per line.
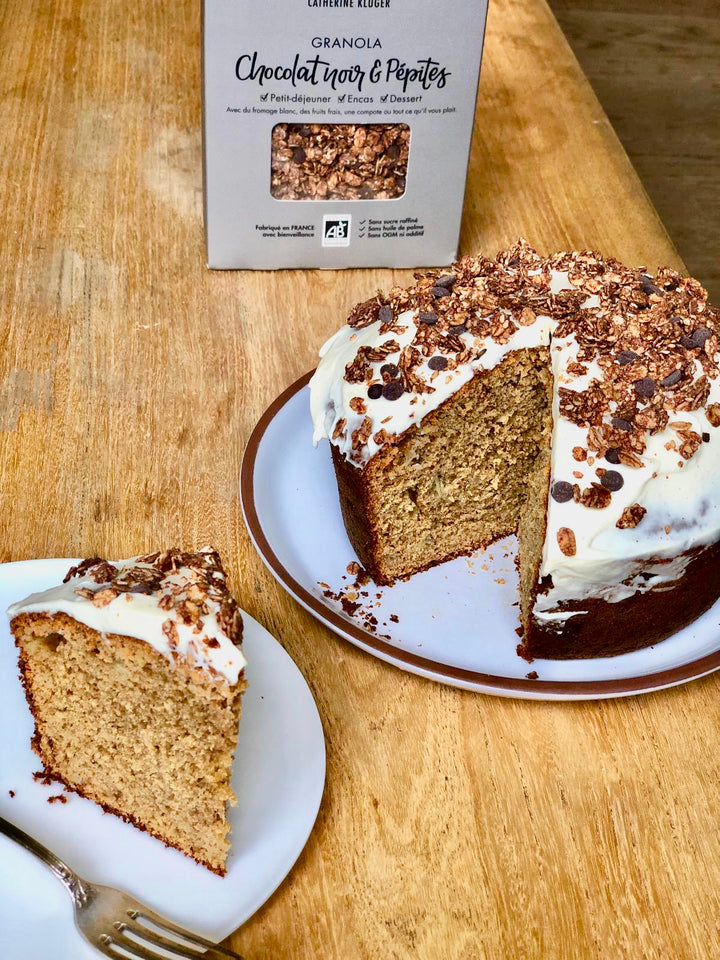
(569,398)
(134,673)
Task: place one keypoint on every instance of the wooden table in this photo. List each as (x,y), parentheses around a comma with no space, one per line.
(453,824)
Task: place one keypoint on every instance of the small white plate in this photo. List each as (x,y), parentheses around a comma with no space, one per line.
(278,777)
(455,623)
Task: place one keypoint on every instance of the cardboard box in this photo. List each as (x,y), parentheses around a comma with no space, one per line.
(337,132)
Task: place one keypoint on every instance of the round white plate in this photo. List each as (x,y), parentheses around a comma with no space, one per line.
(455,623)
(278,777)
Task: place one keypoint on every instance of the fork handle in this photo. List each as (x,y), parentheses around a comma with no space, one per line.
(61,870)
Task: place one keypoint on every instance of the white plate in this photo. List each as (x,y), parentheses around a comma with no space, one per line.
(455,623)
(279,773)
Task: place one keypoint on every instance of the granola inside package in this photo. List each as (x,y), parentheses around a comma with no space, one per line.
(337,132)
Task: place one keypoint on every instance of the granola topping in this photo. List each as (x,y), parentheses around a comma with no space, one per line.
(566,541)
(631,516)
(176,601)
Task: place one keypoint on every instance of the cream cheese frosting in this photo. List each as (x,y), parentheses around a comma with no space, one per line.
(176,602)
(635,449)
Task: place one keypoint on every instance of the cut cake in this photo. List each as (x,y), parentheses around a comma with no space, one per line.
(133,671)
(570,399)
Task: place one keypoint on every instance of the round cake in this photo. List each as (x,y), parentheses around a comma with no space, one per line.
(570,399)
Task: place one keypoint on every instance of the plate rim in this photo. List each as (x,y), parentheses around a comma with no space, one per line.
(405,659)
(301,839)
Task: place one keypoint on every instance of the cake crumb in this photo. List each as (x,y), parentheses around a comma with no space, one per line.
(533,675)
(11,793)
(57,798)
(41,776)
(356,603)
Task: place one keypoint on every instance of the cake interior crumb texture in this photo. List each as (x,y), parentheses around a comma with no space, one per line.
(149,740)
(461,482)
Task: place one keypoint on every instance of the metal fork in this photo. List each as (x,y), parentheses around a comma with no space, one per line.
(113,922)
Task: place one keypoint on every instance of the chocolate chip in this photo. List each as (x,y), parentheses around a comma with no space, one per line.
(385,314)
(437,363)
(561,491)
(375,390)
(645,387)
(696,339)
(626,356)
(393,390)
(515,262)
(299,155)
(458,328)
(391,369)
(439,292)
(447,280)
(612,480)
(706,438)
(146,588)
(393,151)
(671,379)
(648,286)
(612,456)
(621,424)
(425,316)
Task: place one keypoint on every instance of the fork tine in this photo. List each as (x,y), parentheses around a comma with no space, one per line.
(103,944)
(150,937)
(126,948)
(206,950)
(168,927)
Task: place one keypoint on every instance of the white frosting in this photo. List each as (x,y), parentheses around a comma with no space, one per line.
(140,615)
(330,393)
(683,510)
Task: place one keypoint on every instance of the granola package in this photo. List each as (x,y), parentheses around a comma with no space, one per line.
(337,132)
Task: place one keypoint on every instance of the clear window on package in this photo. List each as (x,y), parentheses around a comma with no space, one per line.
(339,161)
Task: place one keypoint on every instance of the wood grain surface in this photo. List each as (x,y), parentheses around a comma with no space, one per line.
(655,66)
(453,824)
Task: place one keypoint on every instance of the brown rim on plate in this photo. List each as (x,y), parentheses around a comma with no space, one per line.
(443,672)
